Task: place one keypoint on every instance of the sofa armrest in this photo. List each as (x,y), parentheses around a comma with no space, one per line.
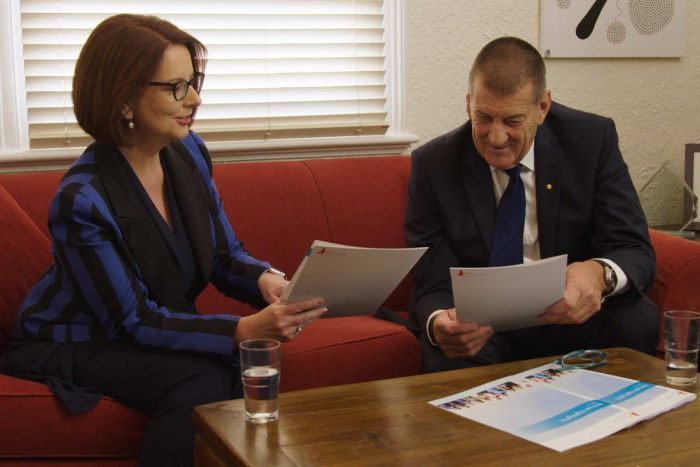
(677,273)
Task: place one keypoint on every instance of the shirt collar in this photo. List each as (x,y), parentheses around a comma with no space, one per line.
(528,161)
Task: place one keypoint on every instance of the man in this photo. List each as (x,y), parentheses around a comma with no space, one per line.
(578,200)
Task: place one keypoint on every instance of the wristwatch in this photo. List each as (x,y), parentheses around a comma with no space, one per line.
(272,270)
(609,277)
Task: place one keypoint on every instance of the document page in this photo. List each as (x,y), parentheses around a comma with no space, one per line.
(562,409)
(351,280)
(508,297)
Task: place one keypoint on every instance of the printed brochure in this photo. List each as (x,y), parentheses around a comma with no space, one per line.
(562,409)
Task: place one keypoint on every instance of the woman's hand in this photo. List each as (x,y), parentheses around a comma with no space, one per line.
(281,321)
(271,286)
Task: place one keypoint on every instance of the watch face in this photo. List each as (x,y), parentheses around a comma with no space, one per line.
(610,279)
(613,278)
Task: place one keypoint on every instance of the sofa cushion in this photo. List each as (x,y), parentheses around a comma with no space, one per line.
(276,210)
(24,256)
(33,191)
(364,198)
(365,203)
(348,350)
(677,273)
(34,424)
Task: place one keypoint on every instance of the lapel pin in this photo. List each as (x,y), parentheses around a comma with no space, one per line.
(549,186)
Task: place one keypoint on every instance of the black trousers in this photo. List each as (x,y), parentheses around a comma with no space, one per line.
(165,384)
(634,325)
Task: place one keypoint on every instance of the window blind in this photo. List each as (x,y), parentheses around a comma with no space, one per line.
(277,69)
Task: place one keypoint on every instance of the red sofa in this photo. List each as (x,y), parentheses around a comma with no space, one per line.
(278,208)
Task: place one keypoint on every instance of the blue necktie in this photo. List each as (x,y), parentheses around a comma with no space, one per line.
(507,240)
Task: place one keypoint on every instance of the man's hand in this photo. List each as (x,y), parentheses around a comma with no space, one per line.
(456,339)
(582,295)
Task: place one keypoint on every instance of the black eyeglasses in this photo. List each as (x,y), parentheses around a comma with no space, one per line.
(582,359)
(181,88)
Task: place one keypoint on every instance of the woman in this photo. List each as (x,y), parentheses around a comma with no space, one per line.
(138,231)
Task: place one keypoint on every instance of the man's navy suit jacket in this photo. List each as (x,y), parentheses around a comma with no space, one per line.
(586,205)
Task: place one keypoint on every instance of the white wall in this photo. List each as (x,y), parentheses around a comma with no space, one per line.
(654,102)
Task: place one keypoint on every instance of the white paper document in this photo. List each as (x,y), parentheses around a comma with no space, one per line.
(508,297)
(563,409)
(351,280)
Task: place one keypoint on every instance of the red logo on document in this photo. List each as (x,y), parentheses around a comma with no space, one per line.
(326,252)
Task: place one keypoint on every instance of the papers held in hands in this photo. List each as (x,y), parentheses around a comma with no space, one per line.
(508,297)
(351,280)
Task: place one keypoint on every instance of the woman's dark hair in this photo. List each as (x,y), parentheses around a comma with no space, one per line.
(117,62)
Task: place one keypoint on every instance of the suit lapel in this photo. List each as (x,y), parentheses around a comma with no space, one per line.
(191,196)
(143,239)
(479,187)
(548,153)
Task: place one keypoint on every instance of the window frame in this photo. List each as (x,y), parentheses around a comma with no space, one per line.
(15,153)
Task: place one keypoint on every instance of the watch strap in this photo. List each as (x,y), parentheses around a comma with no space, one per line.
(609,277)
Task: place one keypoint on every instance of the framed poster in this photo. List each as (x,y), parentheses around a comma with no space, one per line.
(692,178)
(612,28)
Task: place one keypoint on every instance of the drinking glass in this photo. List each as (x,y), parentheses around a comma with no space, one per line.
(681,343)
(260,370)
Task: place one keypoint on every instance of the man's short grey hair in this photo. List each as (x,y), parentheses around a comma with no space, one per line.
(507,64)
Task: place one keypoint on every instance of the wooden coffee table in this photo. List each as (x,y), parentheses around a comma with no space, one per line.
(390,422)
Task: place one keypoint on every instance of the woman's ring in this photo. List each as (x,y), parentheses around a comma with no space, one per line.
(298,329)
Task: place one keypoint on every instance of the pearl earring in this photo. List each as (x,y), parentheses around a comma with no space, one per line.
(131,125)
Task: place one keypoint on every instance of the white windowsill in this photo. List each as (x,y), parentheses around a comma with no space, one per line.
(56,159)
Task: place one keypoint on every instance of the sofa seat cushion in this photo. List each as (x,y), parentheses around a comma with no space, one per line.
(347,350)
(34,424)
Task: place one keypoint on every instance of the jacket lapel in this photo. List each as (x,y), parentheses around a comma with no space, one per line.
(479,187)
(191,196)
(144,241)
(548,186)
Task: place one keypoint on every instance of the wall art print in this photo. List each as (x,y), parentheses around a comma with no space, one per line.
(612,28)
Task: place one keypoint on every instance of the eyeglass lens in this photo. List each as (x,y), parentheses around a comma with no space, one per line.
(182,87)
(587,358)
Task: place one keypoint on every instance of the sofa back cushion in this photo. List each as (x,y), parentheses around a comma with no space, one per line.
(365,203)
(276,210)
(24,256)
(279,208)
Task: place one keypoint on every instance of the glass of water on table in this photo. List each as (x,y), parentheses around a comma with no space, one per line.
(261,361)
(681,345)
